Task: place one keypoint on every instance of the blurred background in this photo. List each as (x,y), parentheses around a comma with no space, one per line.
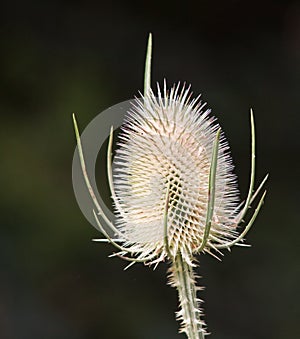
(59,57)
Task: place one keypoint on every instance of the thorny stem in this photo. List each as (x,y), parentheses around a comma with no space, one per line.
(183,278)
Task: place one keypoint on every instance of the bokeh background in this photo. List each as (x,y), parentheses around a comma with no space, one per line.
(59,57)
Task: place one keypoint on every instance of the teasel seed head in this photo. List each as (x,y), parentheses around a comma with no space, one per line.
(166,144)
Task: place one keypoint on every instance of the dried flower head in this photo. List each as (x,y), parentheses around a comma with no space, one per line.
(166,144)
(173,189)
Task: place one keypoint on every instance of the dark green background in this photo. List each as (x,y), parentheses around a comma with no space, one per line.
(59,57)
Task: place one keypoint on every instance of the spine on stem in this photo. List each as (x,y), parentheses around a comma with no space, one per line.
(183,278)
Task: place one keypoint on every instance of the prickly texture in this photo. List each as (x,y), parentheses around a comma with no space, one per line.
(166,141)
(183,279)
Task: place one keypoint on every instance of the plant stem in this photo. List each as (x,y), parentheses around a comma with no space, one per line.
(183,278)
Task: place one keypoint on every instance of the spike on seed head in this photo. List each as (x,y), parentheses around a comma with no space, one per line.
(166,143)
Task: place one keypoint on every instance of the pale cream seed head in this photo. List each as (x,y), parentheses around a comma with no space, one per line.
(166,142)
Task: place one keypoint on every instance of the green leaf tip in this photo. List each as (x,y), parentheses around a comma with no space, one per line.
(75,126)
(147,74)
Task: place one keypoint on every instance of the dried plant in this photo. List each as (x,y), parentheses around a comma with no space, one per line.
(174,191)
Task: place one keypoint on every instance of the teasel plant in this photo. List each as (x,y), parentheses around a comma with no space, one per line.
(173,189)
